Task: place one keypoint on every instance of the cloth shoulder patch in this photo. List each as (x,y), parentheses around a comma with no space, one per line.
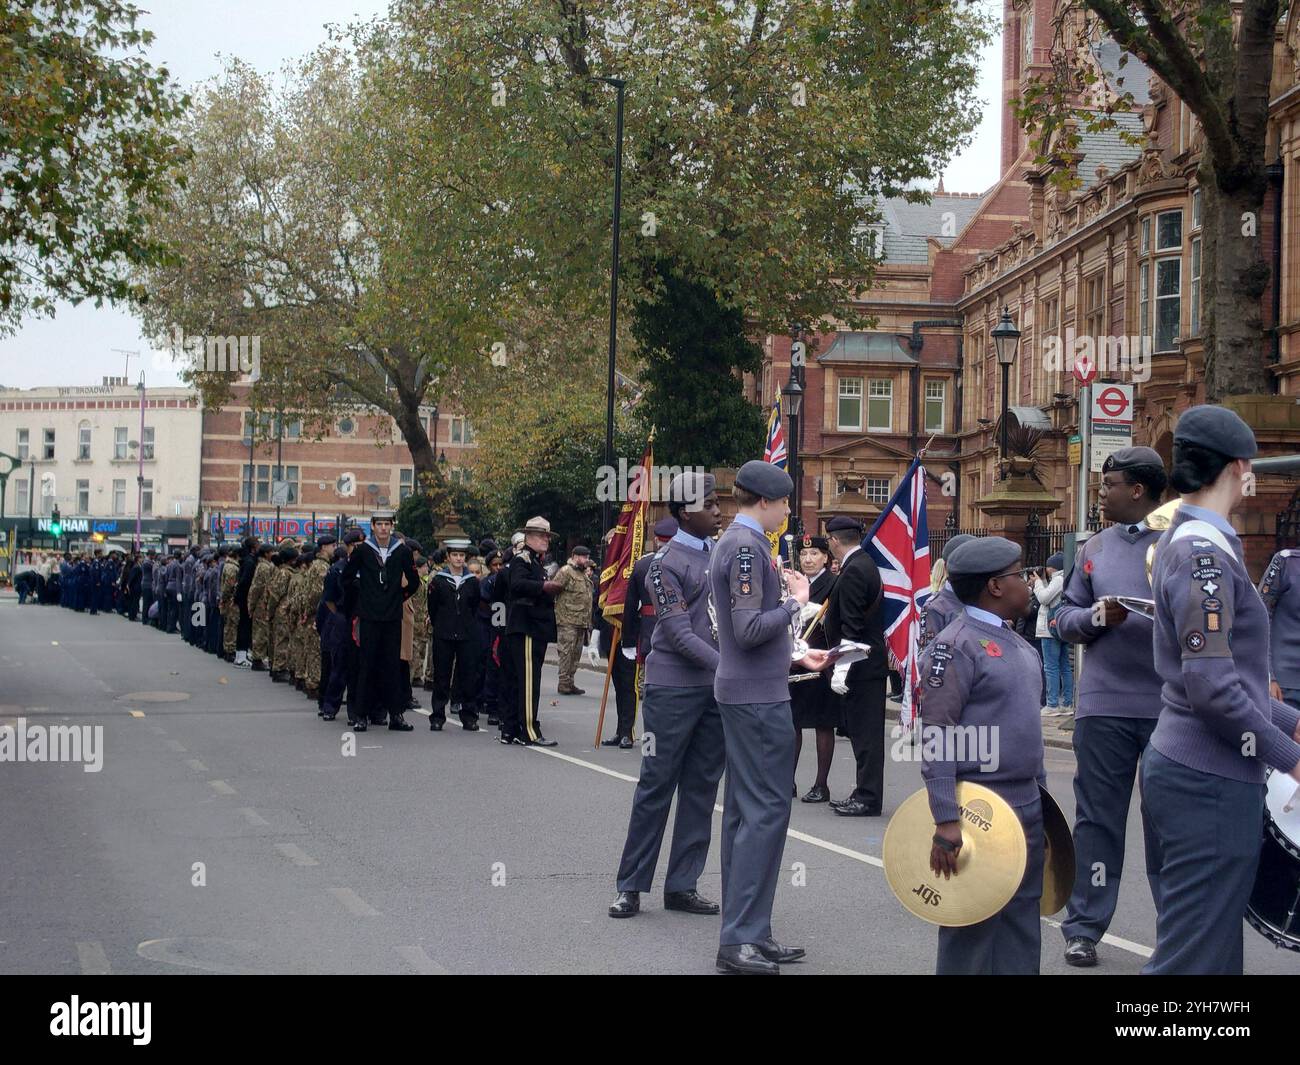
(665,594)
(742,574)
(1203,607)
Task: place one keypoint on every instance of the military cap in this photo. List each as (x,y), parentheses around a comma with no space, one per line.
(764,479)
(981,555)
(1131,458)
(807,540)
(538,525)
(287,554)
(383,514)
(491,556)
(326,540)
(205,554)
(691,486)
(955,543)
(486,545)
(457,543)
(666,528)
(340,553)
(1056,560)
(414,545)
(1217,429)
(265,549)
(248,542)
(585,552)
(353,536)
(307,553)
(844,523)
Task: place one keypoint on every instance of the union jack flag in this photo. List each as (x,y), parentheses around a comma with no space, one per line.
(899,544)
(774,449)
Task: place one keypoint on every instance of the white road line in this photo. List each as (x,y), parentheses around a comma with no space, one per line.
(253,817)
(421,962)
(296,854)
(353,902)
(221,787)
(196,765)
(827,845)
(175,745)
(94,962)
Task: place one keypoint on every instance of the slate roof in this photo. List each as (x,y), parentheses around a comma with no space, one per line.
(1108,148)
(907,225)
(867,347)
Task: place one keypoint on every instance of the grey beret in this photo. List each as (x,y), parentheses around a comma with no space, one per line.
(691,487)
(666,528)
(983,554)
(764,479)
(954,543)
(1129,458)
(1218,429)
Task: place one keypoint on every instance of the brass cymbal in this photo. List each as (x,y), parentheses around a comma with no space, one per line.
(1160,519)
(990,865)
(1058,857)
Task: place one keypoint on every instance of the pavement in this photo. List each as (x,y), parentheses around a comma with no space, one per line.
(231,830)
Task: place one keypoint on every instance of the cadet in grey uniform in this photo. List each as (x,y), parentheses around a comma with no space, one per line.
(980,674)
(1203,771)
(681,716)
(1119,689)
(1280,590)
(944,605)
(752,686)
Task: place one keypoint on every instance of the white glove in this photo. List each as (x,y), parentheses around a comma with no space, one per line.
(840,678)
(593,652)
(629,653)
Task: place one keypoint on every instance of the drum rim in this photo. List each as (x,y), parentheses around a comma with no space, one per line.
(1273,934)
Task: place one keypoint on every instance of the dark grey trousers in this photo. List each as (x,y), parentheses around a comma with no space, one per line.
(1010,942)
(683,752)
(1107,751)
(1204,834)
(756,813)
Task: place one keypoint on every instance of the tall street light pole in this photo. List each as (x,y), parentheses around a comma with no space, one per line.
(618,84)
(1006,338)
(793,393)
(139,473)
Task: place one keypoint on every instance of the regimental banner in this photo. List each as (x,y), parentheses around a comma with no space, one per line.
(1111,422)
(626,545)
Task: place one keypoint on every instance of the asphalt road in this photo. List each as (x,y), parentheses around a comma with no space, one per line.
(420,852)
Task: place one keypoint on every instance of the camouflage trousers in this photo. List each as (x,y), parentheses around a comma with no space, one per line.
(261,648)
(282,642)
(298,651)
(311,656)
(230,630)
(419,657)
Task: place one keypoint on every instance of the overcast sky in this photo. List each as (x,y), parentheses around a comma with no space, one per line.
(77,347)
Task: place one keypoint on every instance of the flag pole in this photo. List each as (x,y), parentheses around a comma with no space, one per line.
(609,670)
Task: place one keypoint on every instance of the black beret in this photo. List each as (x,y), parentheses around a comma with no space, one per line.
(353,536)
(288,554)
(764,479)
(586,551)
(326,540)
(844,523)
(983,554)
(666,528)
(340,553)
(414,545)
(1131,458)
(819,542)
(1217,429)
(955,543)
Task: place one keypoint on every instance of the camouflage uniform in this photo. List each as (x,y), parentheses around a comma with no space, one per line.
(229,611)
(261,649)
(275,597)
(312,589)
(420,639)
(297,666)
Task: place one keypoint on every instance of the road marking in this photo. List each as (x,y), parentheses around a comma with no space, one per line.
(827,845)
(296,854)
(253,817)
(94,962)
(1114,941)
(222,788)
(175,745)
(136,713)
(353,902)
(421,962)
(196,765)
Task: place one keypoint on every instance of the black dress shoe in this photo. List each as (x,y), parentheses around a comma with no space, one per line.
(397,723)
(816,794)
(855,808)
(627,904)
(436,726)
(774,951)
(746,959)
(626,744)
(469,726)
(542,741)
(689,902)
(329,717)
(257,666)
(613,741)
(360,726)
(414,704)
(505,740)
(1081,952)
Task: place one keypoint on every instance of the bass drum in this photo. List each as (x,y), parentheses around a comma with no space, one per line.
(1274,908)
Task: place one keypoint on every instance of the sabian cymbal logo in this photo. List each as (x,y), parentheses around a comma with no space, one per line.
(928,894)
(978,813)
